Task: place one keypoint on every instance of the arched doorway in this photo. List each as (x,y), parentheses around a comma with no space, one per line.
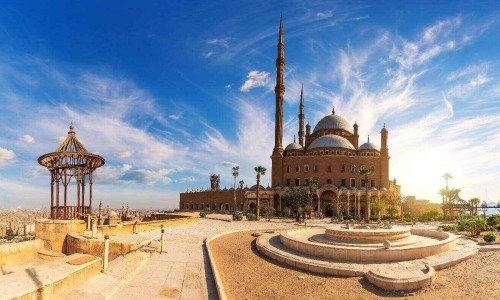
(276,202)
(328,199)
(252,207)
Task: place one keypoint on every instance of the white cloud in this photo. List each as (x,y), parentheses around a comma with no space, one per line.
(28,139)
(255,79)
(220,42)
(148,177)
(228,86)
(6,156)
(208,54)
(174,117)
(125,154)
(187,179)
(126,167)
(324,15)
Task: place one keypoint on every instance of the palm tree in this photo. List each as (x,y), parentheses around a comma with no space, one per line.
(310,182)
(235,175)
(260,170)
(365,171)
(473,205)
(447,176)
(241,193)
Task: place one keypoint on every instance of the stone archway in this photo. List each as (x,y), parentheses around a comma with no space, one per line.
(252,206)
(276,202)
(328,199)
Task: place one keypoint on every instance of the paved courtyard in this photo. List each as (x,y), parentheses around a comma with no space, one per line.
(184,271)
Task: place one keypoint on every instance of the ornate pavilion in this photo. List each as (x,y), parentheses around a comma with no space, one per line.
(70,162)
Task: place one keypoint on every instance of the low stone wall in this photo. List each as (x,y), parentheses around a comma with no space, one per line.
(53,232)
(19,252)
(128,227)
(95,247)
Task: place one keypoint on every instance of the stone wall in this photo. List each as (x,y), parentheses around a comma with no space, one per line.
(19,252)
(209,197)
(78,244)
(53,232)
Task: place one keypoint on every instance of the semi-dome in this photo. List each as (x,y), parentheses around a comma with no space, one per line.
(368,146)
(331,141)
(333,121)
(294,146)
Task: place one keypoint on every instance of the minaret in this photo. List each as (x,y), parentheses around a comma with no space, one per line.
(301,118)
(384,150)
(279,90)
(355,140)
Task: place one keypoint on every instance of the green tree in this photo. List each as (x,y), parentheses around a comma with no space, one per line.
(295,199)
(310,183)
(473,205)
(260,170)
(364,172)
(392,211)
(378,205)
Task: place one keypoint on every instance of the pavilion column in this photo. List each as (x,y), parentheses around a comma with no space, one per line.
(348,207)
(65,183)
(78,193)
(90,192)
(83,193)
(58,178)
(52,195)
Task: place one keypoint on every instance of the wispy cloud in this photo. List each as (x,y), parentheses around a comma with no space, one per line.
(28,139)
(219,42)
(6,156)
(255,79)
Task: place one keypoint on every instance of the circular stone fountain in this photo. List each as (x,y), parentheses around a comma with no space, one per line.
(369,250)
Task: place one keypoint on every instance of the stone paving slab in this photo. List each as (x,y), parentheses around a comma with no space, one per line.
(183,271)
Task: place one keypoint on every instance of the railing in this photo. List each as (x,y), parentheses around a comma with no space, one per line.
(69,212)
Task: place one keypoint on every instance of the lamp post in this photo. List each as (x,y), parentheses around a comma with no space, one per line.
(484,207)
(235,175)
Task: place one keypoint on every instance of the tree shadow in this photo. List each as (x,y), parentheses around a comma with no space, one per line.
(34,276)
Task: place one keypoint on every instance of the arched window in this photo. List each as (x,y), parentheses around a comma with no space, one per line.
(306,168)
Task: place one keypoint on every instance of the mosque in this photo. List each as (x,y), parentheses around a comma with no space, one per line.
(330,154)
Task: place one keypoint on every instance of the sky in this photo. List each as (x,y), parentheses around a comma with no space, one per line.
(171,91)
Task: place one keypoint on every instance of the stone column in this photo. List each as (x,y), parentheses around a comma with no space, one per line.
(106,253)
(162,239)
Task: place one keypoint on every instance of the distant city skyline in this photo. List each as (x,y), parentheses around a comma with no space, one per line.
(168,93)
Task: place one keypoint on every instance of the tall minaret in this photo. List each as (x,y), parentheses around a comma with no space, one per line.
(279,90)
(384,158)
(301,118)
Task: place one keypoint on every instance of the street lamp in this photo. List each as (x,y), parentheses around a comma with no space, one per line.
(484,207)
(235,175)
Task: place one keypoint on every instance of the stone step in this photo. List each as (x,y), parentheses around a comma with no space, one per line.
(104,285)
(49,280)
(47,254)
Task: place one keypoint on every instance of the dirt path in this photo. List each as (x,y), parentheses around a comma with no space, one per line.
(249,275)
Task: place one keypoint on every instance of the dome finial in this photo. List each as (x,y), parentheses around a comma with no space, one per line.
(71,127)
(368,138)
(294,138)
(333,110)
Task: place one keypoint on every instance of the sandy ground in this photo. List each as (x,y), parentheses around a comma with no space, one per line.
(247,274)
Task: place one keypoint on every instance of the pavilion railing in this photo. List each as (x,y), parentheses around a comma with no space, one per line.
(69,212)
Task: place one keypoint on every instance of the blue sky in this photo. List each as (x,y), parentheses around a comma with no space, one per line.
(169,92)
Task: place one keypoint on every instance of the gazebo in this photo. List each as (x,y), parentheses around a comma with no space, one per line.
(70,161)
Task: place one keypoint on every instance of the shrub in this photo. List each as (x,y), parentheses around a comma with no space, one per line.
(493,220)
(476,225)
(251,217)
(463,222)
(498,227)
(203,213)
(237,216)
(450,227)
(490,237)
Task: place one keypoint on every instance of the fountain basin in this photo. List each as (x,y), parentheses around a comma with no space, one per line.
(367,235)
(430,243)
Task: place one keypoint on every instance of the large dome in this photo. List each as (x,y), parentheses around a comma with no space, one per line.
(333,121)
(331,140)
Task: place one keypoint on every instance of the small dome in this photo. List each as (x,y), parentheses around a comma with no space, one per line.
(368,146)
(254,187)
(331,141)
(113,214)
(333,121)
(294,146)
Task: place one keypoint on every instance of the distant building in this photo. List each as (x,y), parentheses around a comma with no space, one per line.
(420,206)
(3,229)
